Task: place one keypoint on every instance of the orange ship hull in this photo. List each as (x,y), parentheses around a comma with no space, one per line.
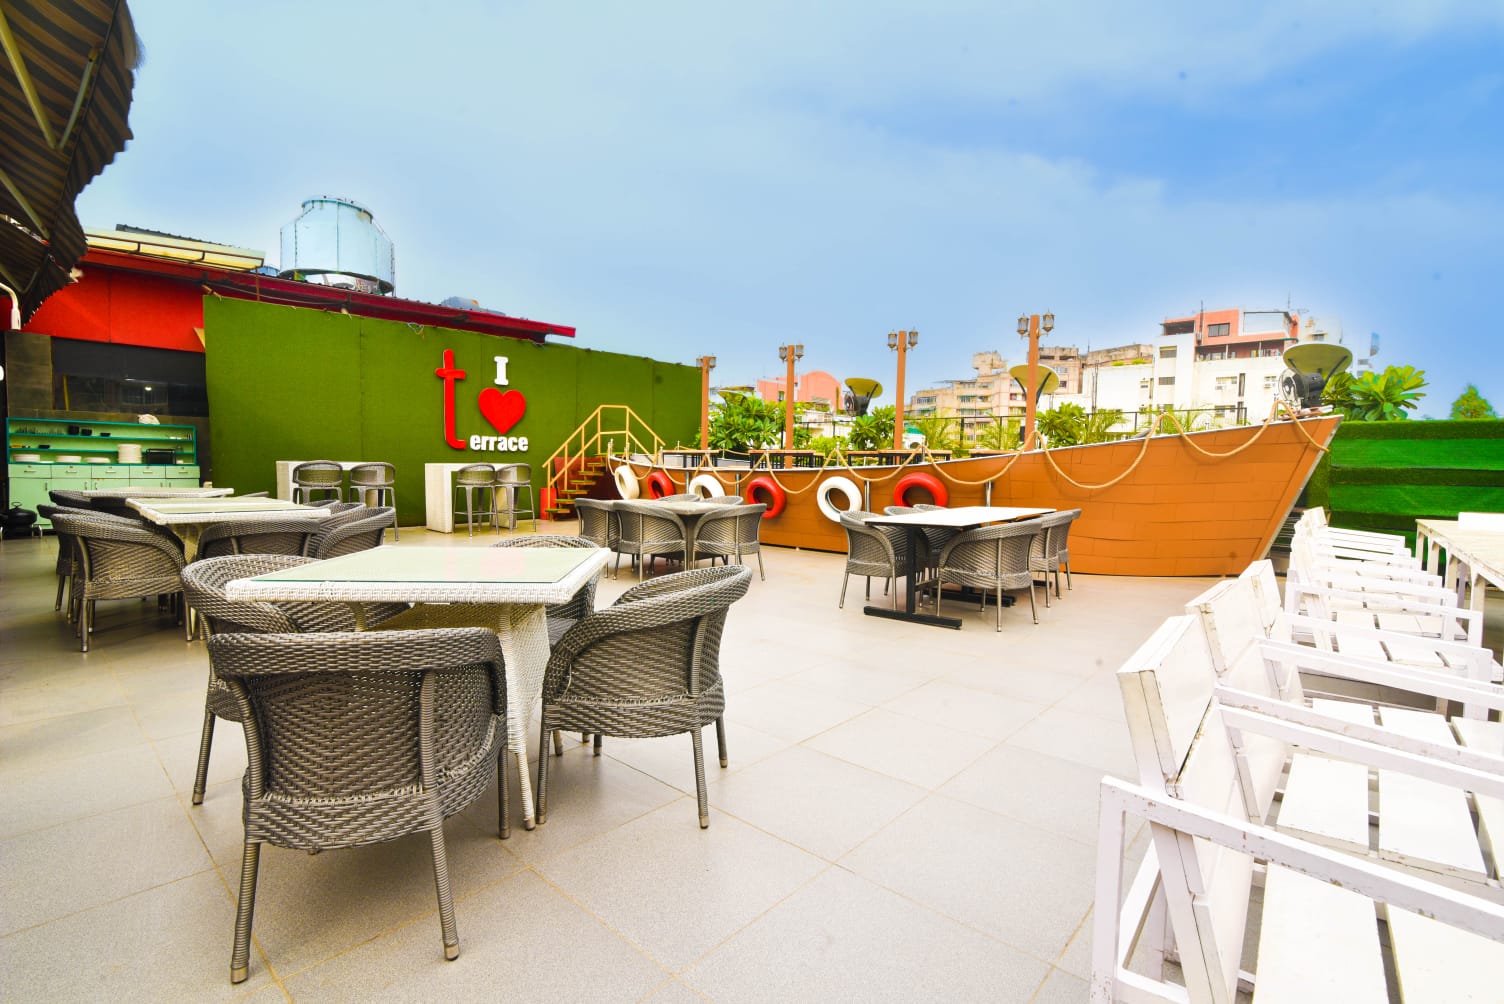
(1205,503)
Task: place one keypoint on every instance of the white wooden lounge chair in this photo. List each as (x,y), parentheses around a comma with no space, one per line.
(1321,909)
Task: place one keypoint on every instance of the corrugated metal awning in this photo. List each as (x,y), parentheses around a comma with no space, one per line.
(65,94)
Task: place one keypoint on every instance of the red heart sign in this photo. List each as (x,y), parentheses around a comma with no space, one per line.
(502,410)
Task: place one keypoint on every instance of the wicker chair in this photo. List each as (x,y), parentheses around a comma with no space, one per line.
(991,557)
(67,562)
(379,478)
(647,530)
(357,738)
(599,523)
(506,495)
(317,477)
(474,478)
(349,536)
(1051,550)
(204,591)
(267,534)
(723,500)
(644,667)
(872,550)
(561,616)
(680,497)
(736,531)
(932,538)
(119,560)
(70,499)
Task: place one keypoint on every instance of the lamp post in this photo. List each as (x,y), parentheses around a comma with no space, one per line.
(706,364)
(789,354)
(1029,326)
(902,341)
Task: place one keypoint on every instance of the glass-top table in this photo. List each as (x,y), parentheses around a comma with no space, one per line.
(505,589)
(188,517)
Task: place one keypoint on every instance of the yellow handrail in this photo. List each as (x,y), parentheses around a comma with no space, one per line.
(606,423)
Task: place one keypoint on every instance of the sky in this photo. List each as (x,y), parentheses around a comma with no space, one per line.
(681,179)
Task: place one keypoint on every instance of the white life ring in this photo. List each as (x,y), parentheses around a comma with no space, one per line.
(626,482)
(709,483)
(846,487)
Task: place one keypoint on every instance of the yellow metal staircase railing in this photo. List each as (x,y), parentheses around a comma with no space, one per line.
(574,466)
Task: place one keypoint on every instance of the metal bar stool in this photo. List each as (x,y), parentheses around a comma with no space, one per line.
(474,478)
(380,479)
(317,476)
(511,481)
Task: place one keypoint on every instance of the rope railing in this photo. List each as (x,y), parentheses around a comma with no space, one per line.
(837,459)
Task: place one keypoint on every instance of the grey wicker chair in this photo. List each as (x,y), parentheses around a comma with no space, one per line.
(680,497)
(317,477)
(1052,551)
(991,557)
(358,738)
(67,561)
(647,531)
(349,536)
(561,616)
(644,667)
(731,533)
(470,479)
(933,538)
(599,523)
(506,495)
(872,550)
(204,591)
(723,500)
(267,534)
(70,499)
(119,560)
(379,478)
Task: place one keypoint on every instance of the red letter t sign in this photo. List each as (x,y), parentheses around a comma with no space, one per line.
(449,375)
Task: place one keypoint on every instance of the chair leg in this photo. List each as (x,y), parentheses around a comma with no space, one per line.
(1000,607)
(694,737)
(446,901)
(596,745)
(558,743)
(1068,575)
(240,955)
(1057,582)
(86,624)
(1032,608)
(720,740)
(844,579)
(761,577)
(59,604)
(201,775)
(503,795)
(540,797)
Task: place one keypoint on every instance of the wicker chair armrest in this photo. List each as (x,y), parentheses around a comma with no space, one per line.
(440,650)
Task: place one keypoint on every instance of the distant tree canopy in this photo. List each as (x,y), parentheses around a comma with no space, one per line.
(1471,404)
(1377,397)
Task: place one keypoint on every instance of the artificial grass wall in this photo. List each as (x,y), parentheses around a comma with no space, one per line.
(291,383)
(1386,475)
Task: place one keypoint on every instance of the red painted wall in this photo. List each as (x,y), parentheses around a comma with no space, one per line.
(125,308)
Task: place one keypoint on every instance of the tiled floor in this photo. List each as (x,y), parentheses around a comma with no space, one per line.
(909,814)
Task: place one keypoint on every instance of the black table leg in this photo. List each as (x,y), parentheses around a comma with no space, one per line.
(908,613)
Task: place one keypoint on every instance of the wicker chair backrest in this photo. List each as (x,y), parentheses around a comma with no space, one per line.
(74,500)
(351,735)
(645,523)
(652,653)
(680,497)
(598,522)
(65,541)
(475,476)
(723,500)
(374,475)
(259,535)
(318,474)
(514,474)
(353,535)
(121,558)
(204,588)
(991,555)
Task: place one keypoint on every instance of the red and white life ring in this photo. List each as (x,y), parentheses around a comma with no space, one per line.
(659,485)
(919,479)
(775,497)
(846,487)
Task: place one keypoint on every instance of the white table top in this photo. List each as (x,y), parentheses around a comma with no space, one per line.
(684,507)
(500,575)
(1482,550)
(155,493)
(212,510)
(960,517)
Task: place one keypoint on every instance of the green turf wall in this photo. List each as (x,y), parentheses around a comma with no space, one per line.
(291,383)
(1386,475)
